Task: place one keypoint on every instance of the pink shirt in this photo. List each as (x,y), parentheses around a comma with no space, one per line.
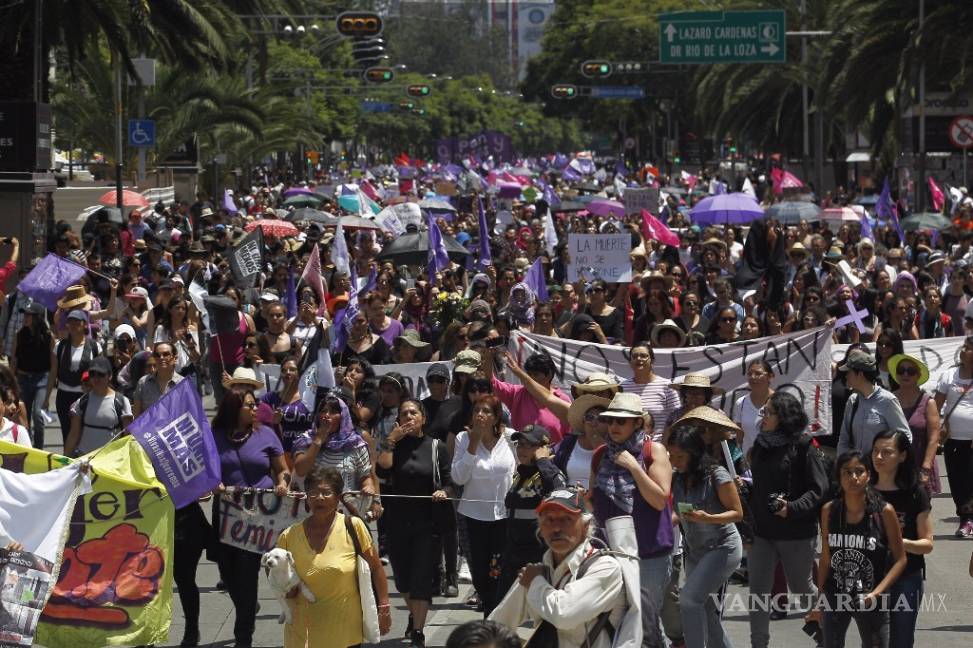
(524,410)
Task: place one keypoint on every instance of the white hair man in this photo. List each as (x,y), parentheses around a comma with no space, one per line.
(576,594)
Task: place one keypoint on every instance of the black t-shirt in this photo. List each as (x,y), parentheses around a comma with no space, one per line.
(908,506)
(441,421)
(859,553)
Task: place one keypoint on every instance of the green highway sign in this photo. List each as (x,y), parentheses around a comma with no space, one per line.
(722,37)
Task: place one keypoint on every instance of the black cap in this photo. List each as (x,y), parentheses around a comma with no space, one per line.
(535,435)
(100,365)
(438,369)
(859,360)
(34,308)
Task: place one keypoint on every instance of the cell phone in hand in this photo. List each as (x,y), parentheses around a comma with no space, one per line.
(685,507)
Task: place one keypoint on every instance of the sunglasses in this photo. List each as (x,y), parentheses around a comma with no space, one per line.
(592,416)
(906,371)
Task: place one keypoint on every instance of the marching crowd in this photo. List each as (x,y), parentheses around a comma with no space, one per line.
(503,475)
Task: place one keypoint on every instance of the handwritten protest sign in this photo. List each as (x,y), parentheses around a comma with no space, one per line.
(801,362)
(253,521)
(636,200)
(600,256)
(115,583)
(388,219)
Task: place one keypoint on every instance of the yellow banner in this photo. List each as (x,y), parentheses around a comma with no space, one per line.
(115,585)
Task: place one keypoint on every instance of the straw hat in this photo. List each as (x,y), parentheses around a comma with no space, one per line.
(667,325)
(714,241)
(74,296)
(624,406)
(594,383)
(709,416)
(798,248)
(697,380)
(668,280)
(580,407)
(245,376)
(900,357)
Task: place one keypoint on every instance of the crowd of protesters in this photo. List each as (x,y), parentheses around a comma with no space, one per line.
(712,497)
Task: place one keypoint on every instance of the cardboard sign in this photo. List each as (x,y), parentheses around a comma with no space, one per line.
(637,199)
(600,256)
(254,521)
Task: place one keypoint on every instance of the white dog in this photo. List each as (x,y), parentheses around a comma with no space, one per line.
(279,567)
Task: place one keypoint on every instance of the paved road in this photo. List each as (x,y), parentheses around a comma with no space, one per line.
(946,623)
(69,201)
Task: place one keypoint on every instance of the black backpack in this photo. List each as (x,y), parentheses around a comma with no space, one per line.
(119,405)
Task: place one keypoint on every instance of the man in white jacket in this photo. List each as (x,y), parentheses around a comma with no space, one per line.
(577,591)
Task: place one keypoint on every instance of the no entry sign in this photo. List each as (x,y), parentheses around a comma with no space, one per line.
(961,132)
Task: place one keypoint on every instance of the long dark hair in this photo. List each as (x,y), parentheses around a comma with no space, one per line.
(228,415)
(873,501)
(907,476)
(39,328)
(689,439)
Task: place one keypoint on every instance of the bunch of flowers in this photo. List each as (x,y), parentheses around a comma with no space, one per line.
(447,307)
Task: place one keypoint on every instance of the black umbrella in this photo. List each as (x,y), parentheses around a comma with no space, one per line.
(413,249)
(312,215)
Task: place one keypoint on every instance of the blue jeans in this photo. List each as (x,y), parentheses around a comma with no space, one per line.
(653,578)
(33,391)
(902,620)
(706,572)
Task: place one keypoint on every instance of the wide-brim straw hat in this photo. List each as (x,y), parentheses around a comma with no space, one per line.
(245,376)
(697,380)
(709,416)
(900,357)
(624,406)
(667,325)
(74,296)
(580,407)
(595,383)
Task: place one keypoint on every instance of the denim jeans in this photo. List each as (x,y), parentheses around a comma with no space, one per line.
(873,628)
(706,572)
(902,622)
(670,616)
(653,578)
(33,391)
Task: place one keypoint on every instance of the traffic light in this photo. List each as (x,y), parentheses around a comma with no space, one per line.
(406,105)
(359,24)
(596,69)
(564,91)
(379,75)
(418,90)
(368,52)
(312,156)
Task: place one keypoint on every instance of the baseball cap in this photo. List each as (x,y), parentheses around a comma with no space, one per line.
(567,500)
(439,370)
(466,361)
(535,435)
(100,365)
(78,315)
(34,308)
(859,360)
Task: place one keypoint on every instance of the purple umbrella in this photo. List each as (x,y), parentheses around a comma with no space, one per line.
(726,209)
(607,208)
(294,191)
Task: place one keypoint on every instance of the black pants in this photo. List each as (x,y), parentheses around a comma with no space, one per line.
(241,570)
(959,471)
(62,403)
(487,540)
(191,535)
(414,552)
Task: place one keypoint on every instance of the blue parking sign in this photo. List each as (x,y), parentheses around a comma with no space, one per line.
(141,132)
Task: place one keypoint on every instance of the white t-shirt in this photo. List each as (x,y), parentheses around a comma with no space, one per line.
(7,434)
(485,476)
(747,416)
(579,466)
(961,419)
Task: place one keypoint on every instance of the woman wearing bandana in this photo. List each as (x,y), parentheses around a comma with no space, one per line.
(631,475)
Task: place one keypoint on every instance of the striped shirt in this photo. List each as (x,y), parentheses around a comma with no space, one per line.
(658,399)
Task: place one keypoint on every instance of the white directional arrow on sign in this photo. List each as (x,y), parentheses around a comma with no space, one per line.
(770,49)
(671,31)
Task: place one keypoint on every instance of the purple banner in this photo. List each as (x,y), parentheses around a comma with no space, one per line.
(49,279)
(176,435)
(482,145)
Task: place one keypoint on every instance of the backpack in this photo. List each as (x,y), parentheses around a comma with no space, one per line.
(119,405)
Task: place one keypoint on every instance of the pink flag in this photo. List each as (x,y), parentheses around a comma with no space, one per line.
(938,198)
(656,230)
(312,276)
(689,179)
(367,189)
(784,180)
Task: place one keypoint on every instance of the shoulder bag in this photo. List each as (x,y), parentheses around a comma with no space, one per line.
(944,428)
(370,631)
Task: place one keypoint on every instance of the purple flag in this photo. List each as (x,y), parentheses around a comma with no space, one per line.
(560,161)
(49,279)
(886,209)
(486,257)
(536,281)
(438,258)
(228,203)
(176,435)
(569,174)
(347,315)
(290,298)
(867,228)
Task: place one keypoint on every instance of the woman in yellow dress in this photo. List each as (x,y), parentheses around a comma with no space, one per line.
(324,558)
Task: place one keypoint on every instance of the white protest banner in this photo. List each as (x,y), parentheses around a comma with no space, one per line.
(637,199)
(801,362)
(389,221)
(600,256)
(408,214)
(938,355)
(35,510)
(414,375)
(253,521)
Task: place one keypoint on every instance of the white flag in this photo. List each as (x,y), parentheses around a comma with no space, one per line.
(748,188)
(550,234)
(339,252)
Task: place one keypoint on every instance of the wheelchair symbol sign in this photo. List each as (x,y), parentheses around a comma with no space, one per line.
(141,132)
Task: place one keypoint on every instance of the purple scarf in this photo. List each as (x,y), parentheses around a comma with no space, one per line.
(347,437)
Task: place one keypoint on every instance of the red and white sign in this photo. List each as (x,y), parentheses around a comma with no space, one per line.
(961,132)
